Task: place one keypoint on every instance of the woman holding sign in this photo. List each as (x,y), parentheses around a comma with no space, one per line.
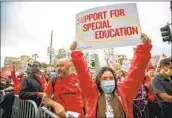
(113,100)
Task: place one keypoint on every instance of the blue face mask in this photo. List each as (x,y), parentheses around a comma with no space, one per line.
(108,86)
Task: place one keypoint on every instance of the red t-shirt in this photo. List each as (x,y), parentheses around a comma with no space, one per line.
(43,82)
(17,87)
(68,93)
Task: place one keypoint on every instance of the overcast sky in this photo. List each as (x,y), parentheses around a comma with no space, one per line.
(26,26)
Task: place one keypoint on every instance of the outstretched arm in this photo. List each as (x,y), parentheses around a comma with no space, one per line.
(87,85)
(136,72)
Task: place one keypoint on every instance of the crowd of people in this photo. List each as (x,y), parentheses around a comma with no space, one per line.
(144,91)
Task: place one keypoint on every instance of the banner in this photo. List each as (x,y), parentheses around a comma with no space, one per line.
(6,71)
(108,26)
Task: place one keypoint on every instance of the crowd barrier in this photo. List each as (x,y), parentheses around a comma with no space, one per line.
(45,113)
(29,109)
(15,108)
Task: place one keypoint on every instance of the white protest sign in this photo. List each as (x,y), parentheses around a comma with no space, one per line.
(108,26)
(112,61)
(126,64)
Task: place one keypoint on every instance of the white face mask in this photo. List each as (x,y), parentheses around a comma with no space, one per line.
(108,86)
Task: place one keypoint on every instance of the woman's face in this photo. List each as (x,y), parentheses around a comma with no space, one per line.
(106,76)
(151,72)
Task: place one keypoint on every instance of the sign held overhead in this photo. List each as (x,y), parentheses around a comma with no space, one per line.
(108,26)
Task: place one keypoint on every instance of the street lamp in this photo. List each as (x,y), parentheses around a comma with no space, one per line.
(35,56)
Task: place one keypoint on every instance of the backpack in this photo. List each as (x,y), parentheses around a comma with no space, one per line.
(54,82)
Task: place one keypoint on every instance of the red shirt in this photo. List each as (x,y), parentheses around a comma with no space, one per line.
(151,94)
(42,81)
(68,93)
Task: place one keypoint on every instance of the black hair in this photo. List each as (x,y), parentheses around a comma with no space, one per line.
(169,59)
(99,75)
(37,63)
(29,64)
(165,62)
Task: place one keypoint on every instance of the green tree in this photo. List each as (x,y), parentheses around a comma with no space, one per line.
(121,60)
(44,65)
(61,53)
(30,60)
(73,70)
(117,67)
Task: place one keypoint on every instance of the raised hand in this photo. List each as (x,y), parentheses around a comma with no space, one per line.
(73,46)
(145,39)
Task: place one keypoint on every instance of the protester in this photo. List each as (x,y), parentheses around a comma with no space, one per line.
(153,107)
(7,104)
(93,76)
(5,83)
(109,103)
(67,91)
(6,96)
(32,87)
(121,76)
(17,79)
(140,109)
(158,67)
(47,76)
(28,69)
(162,86)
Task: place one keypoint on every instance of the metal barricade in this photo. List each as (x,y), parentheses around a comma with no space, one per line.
(28,109)
(45,113)
(15,108)
(2,94)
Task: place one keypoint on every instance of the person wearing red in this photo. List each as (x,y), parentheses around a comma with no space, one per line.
(16,80)
(43,81)
(68,95)
(153,107)
(114,101)
(150,73)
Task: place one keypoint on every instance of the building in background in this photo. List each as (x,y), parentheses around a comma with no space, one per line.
(20,62)
(8,61)
(24,59)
